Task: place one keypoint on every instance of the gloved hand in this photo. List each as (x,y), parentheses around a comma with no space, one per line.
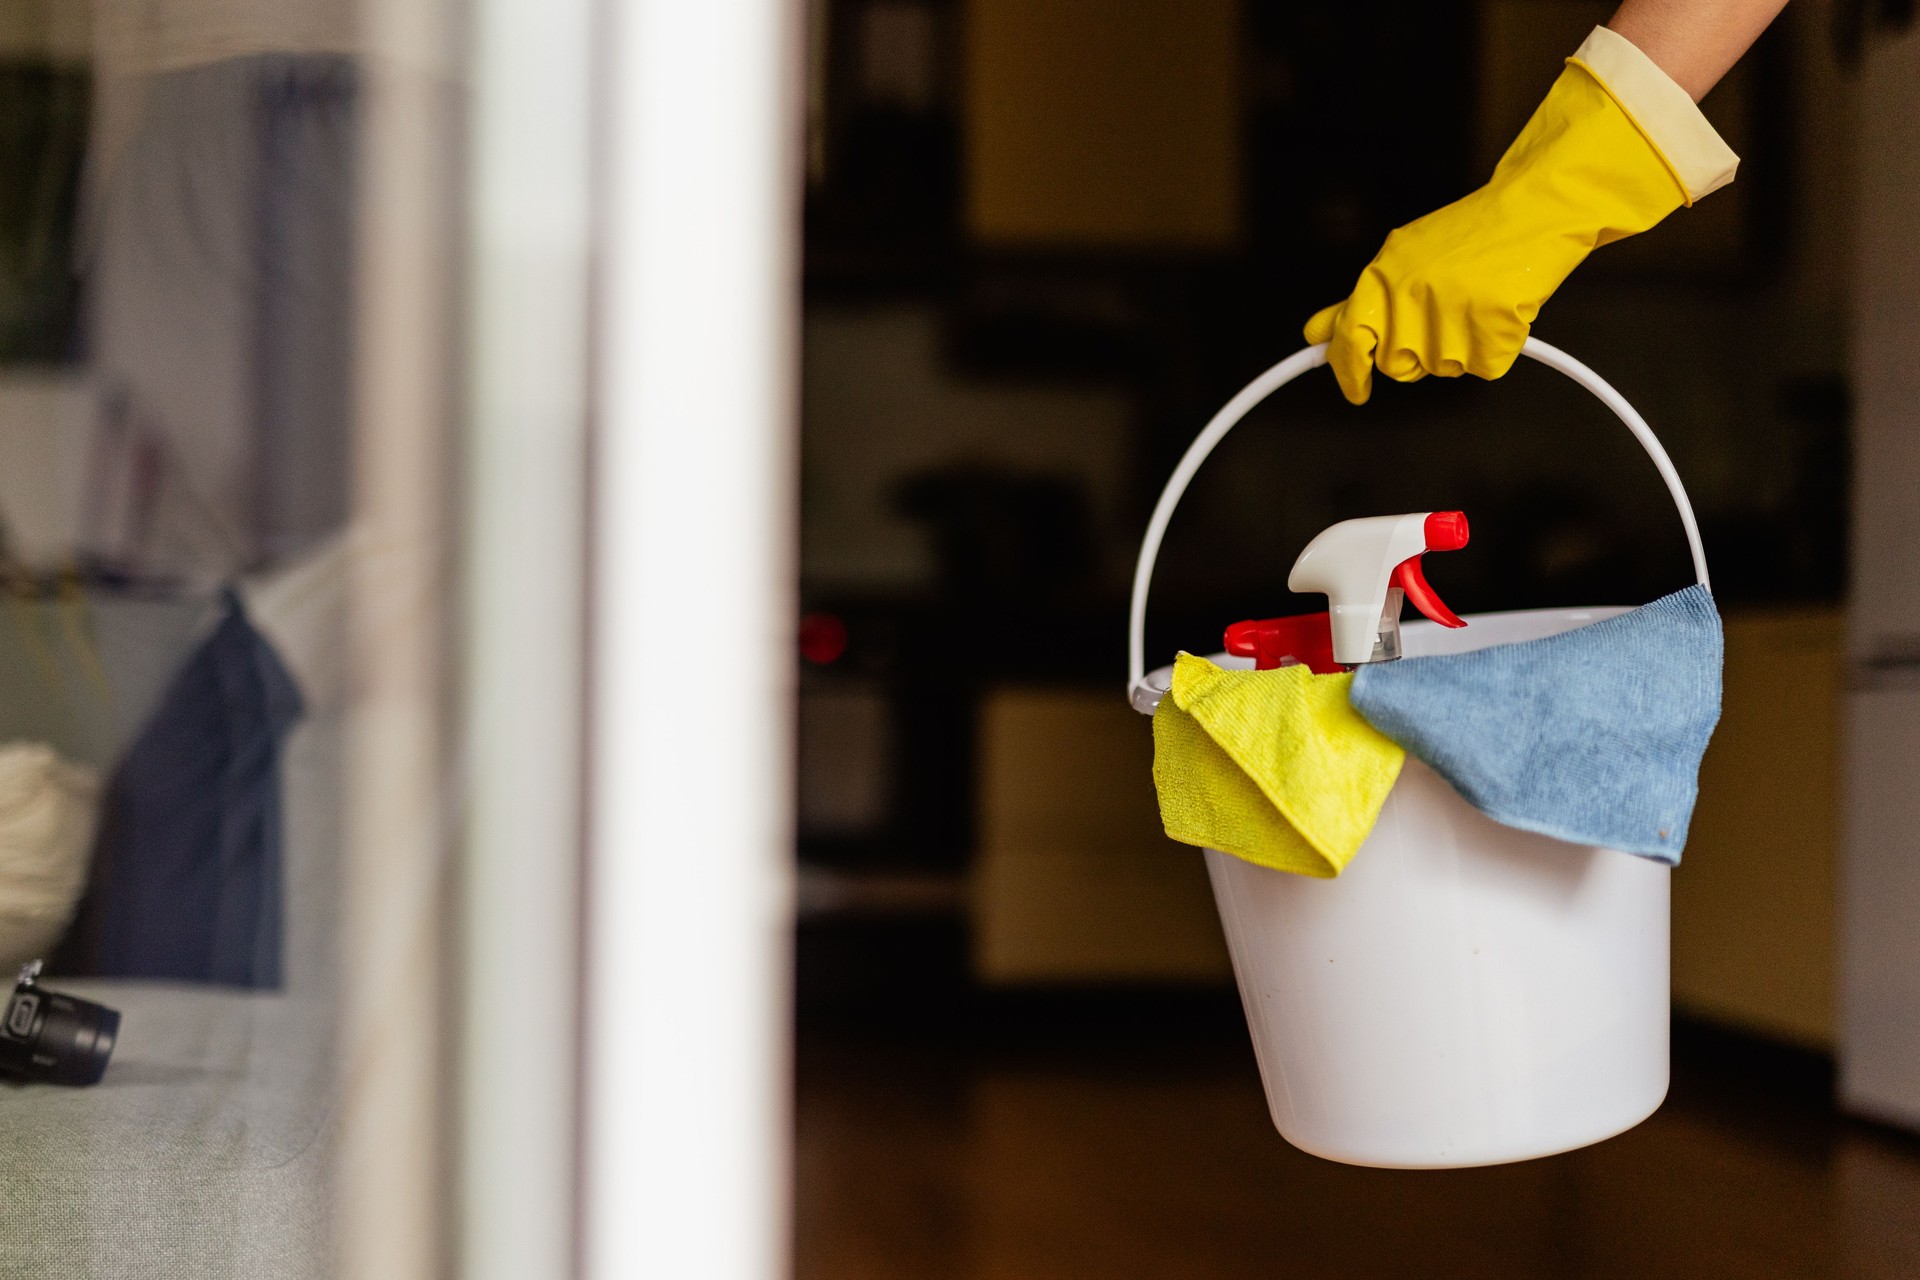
(1614,148)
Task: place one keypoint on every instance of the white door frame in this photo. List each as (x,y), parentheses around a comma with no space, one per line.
(689,880)
(529,227)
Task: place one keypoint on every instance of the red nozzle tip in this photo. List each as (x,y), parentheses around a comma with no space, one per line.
(1446,530)
(1243,639)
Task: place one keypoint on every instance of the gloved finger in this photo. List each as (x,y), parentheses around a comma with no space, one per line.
(1320,324)
(1350,356)
(1357,325)
(1400,361)
(1410,341)
(1496,339)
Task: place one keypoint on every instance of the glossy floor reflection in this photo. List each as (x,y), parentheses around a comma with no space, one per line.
(1064,1151)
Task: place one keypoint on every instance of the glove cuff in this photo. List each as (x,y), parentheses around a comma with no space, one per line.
(1663,112)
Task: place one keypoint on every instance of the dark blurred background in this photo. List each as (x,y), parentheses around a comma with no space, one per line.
(1045,240)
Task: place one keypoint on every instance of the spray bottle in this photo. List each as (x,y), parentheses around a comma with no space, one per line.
(1366,568)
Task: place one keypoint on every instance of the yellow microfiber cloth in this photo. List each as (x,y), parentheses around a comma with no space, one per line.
(1275,767)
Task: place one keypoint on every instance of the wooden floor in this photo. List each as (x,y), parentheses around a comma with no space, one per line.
(1056,1153)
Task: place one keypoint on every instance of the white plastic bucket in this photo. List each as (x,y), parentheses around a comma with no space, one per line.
(1464,993)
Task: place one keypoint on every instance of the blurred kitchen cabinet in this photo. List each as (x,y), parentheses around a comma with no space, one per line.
(1075,881)
(1880,998)
(1753,898)
(1880,905)
(844,758)
(1102,125)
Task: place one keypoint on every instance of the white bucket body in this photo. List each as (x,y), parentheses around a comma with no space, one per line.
(1464,993)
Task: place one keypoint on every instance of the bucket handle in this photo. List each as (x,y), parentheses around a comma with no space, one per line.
(1144,696)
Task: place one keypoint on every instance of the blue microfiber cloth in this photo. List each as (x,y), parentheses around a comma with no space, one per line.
(1593,736)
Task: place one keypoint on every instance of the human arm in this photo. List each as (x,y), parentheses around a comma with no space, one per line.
(1617,144)
(1696,42)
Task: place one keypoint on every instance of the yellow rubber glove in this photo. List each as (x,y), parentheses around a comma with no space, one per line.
(1615,147)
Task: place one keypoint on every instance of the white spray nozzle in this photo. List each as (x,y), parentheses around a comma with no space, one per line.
(1364,566)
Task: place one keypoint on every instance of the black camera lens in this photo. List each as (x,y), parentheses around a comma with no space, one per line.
(57,1038)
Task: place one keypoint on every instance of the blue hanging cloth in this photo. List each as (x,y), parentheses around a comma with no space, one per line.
(1593,736)
(187,875)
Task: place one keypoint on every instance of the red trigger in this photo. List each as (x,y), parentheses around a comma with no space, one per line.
(1408,576)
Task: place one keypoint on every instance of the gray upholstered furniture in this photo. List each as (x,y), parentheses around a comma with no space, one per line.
(204,1153)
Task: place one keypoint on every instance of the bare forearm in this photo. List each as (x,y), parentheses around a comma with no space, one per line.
(1694,41)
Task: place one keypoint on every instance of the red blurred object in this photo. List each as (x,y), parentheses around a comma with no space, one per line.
(1303,639)
(823,638)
